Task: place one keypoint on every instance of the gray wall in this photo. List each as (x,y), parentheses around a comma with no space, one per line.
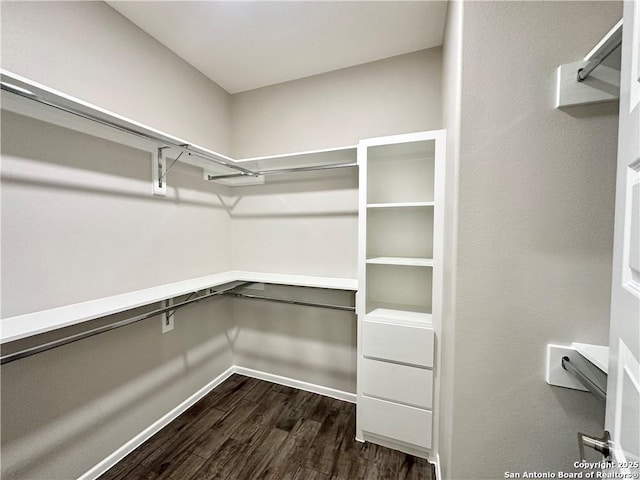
(90,51)
(534,237)
(79,223)
(397,95)
(312,345)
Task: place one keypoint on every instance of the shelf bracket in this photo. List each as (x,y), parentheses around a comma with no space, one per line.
(158,172)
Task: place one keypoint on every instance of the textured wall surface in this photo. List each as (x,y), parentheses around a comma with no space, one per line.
(90,51)
(76,207)
(79,223)
(397,95)
(535,223)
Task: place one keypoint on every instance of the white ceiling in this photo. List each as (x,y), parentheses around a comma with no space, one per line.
(242,45)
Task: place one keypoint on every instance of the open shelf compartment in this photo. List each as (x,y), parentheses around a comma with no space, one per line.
(401,173)
(404,233)
(398,292)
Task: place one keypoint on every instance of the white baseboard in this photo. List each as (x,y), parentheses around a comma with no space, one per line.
(438,471)
(148,432)
(300,385)
(396,445)
(154,428)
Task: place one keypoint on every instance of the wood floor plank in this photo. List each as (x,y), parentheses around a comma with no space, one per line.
(323,453)
(159,441)
(223,461)
(225,387)
(213,438)
(414,468)
(298,404)
(259,391)
(184,466)
(250,429)
(383,464)
(119,471)
(348,466)
(260,455)
(230,398)
(306,473)
(322,408)
(141,473)
(172,449)
(292,454)
(266,414)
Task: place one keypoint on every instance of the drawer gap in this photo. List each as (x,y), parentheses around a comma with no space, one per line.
(377,397)
(395,362)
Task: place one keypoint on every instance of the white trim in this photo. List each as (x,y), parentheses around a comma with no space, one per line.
(299,384)
(437,465)
(154,428)
(628,366)
(397,445)
(404,138)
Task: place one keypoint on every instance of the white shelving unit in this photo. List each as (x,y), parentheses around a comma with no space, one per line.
(400,279)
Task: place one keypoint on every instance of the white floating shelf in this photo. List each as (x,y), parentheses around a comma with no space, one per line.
(326,156)
(26,97)
(406,261)
(22,326)
(400,204)
(410,315)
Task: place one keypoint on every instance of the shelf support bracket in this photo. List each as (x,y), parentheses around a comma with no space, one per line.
(158,172)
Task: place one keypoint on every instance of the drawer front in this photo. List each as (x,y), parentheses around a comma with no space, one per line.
(398,383)
(399,343)
(400,422)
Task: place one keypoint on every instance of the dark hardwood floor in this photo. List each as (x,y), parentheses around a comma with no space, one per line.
(250,429)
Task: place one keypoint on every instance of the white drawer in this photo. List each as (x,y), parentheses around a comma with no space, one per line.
(398,383)
(400,422)
(400,343)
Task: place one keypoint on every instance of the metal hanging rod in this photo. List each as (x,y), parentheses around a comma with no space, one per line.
(106,328)
(27,352)
(291,302)
(584,379)
(601,52)
(284,170)
(162,142)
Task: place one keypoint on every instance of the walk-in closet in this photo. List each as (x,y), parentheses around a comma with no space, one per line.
(318,240)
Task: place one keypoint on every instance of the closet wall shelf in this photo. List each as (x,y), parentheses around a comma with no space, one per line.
(299,162)
(26,97)
(408,315)
(23,326)
(404,261)
(401,205)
